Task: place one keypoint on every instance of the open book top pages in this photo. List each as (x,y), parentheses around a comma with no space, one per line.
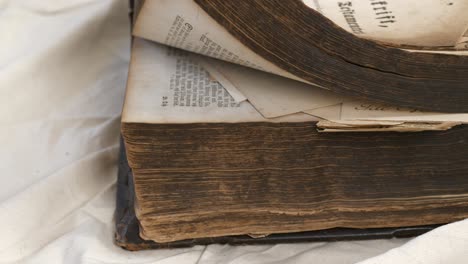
(166,85)
(370,71)
(170,97)
(184,25)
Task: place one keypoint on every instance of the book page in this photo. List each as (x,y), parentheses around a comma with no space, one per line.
(358,116)
(332,112)
(382,126)
(409,22)
(183,24)
(359,110)
(166,85)
(271,95)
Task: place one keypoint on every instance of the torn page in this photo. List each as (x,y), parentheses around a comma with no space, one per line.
(462,43)
(368,117)
(210,65)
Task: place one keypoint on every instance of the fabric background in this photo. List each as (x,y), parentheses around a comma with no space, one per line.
(63,66)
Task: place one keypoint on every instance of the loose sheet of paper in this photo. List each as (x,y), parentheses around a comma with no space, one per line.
(271,95)
(462,43)
(168,86)
(382,126)
(359,110)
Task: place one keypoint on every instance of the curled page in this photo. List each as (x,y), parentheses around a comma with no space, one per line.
(462,43)
(401,22)
(183,24)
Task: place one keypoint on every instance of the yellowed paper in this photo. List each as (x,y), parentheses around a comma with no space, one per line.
(210,65)
(169,86)
(361,110)
(183,24)
(462,43)
(271,95)
(410,22)
(382,126)
(332,112)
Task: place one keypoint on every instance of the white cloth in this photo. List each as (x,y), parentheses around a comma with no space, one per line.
(63,66)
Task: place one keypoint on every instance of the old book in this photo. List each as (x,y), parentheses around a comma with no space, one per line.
(206,166)
(290,39)
(127,225)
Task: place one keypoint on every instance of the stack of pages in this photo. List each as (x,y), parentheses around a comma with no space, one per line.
(230,107)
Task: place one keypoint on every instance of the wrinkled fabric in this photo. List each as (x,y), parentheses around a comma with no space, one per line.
(63,67)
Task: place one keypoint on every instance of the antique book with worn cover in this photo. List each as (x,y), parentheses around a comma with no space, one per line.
(207,166)
(219,153)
